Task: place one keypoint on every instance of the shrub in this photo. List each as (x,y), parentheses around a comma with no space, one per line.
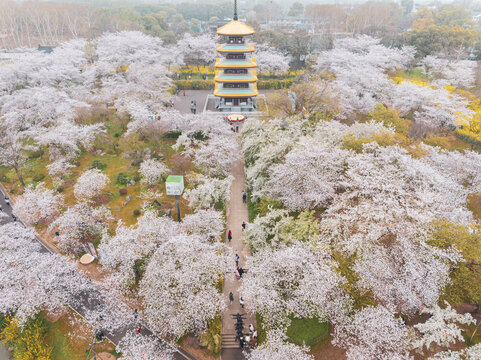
(194,84)
(38,177)
(123,178)
(97,164)
(136,212)
(123,191)
(275,84)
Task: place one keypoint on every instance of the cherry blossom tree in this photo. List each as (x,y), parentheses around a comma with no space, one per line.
(90,183)
(276,347)
(359,65)
(152,171)
(404,273)
(470,353)
(180,284)
(442,326)
(373,333)
(33,279)
(59,168)
(309,189)
(292,280)
(435,107)
(197,50)
(214,154)
(446,72)
(120,252)
(208,223)
(78,223)
(389,190)
(37,203)
(270,59)
(137,346)
(208,191)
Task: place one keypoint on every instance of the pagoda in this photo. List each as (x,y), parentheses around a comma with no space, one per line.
(235,74)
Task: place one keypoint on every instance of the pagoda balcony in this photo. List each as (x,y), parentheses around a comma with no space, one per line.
(235,48)
(235,92)
(222,77)
(235,63)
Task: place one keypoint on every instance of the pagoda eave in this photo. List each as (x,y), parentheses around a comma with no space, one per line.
(233,49)
(222,63)
(235,92)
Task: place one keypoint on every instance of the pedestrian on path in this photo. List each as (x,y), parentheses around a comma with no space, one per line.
(237,274)
(237,128)
(241,302)
(244,197)
(231,297)
(243,226)
(229,235)
(184,92)
(138,330)
(241,272)
(136,313)
(251,328)
(236,260)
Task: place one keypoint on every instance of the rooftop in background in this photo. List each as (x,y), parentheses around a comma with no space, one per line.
(235,27)
(47,49)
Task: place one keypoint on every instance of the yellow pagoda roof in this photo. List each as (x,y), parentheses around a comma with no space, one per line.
(235,92)
(235,48)
(235,27)
(235,63)
(221,76)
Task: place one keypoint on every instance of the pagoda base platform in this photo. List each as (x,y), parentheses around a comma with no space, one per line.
(212,104)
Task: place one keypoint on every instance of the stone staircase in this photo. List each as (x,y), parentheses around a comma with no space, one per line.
(229,341)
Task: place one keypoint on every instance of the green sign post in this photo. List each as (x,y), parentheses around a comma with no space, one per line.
(174,185)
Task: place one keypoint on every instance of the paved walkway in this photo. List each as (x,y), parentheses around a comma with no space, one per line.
(237,212)
(182,103)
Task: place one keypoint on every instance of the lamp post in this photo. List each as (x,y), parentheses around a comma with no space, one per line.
(174,185)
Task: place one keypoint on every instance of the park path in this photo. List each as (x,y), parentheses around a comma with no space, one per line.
(237,212)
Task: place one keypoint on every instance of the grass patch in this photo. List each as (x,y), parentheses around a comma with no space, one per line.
(261,331)
(308,331)
(59,343)
(412,74)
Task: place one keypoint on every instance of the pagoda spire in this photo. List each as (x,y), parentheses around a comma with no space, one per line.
(235,10)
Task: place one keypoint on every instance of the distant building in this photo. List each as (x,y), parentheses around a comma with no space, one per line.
(45,48)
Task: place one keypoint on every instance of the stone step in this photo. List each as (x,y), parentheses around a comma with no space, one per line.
(231,346)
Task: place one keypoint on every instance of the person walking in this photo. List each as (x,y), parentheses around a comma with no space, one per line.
(241,272)
(243,226)
(237,128)
(236,260)
(136,313)
(241,302)
(195,109)
(231,297)
(251,328)
(237,276)
(229,235)
(244,197)
(184,92)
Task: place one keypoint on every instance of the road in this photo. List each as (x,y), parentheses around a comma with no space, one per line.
(95,300)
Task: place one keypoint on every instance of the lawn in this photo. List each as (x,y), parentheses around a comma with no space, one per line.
(308,331)
(70,338)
